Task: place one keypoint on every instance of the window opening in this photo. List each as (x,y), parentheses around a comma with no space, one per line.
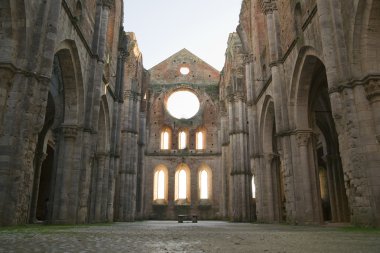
(253,187)
(165,140)
(183,104)
(204,185)
(161,185)
(199,140)
(182,140)
(182,184)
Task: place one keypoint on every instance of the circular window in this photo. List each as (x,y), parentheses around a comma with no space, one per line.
(183,104)
(184,70)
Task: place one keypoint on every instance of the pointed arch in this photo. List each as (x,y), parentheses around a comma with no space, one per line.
(160,185)
(72,79)
(365,38)
(182,184)
(200,138)
(300,85)
(166,138)
(183,138)
(205,183)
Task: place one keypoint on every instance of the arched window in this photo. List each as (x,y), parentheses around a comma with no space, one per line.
(204,184)
(165,139)
(253,187)
(182,185)
(160,185)
(182,140)
(200,140)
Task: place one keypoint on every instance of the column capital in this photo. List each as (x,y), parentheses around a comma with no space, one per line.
(248,58)
(303,137)
(234,97)
(268,6)
(372,88)
(69,131)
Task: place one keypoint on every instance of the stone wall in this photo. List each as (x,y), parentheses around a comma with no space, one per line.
(68,107)
(201,80)
(308,42)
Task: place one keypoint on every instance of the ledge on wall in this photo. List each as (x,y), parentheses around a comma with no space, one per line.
(160,202)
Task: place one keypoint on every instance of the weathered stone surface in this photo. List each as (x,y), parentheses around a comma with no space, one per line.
(296,107)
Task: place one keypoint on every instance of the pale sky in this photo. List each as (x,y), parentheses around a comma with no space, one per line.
(164,27)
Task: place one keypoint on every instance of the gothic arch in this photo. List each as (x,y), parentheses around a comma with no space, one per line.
(158,185)
(103,126)
(270,198)
(267,124)
(207,169)
(72,79)
(366,37)
(300,85)
(181,185)
(311,117)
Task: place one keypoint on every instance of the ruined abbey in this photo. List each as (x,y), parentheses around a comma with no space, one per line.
(287,132)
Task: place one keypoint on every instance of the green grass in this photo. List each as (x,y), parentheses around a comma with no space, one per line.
(360,230)
(43,228)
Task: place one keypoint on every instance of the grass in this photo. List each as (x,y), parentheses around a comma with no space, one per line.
(360,230)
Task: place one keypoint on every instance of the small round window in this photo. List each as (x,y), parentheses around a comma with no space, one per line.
(183,104)
(184,70)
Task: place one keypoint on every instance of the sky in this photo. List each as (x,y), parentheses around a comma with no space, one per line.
(164,27)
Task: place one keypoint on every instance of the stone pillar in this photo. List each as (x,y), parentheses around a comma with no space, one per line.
(39,159)
(332,188)
(92,107)
(62,211)
(224,163)
(115,139)
(372,89)
(105,187)
(308,208)
(129,155)
(349,108)
(268,190)
(269,8)
(241,193)
(24,82)
(99,181)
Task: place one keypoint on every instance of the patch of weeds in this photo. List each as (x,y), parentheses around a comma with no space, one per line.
(360,230)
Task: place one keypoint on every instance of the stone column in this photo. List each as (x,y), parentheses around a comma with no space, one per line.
(241,193)
(269,8)
(309,206)
(99,181)
(92,106)
(129,155)
(105,187)
(39,159)
(331,186)
(268,190)
(61,208)
(224,162)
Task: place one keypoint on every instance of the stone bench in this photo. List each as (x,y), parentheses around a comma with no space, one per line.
(183,217)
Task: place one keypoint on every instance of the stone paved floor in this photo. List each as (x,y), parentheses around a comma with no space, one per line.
(205,236)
